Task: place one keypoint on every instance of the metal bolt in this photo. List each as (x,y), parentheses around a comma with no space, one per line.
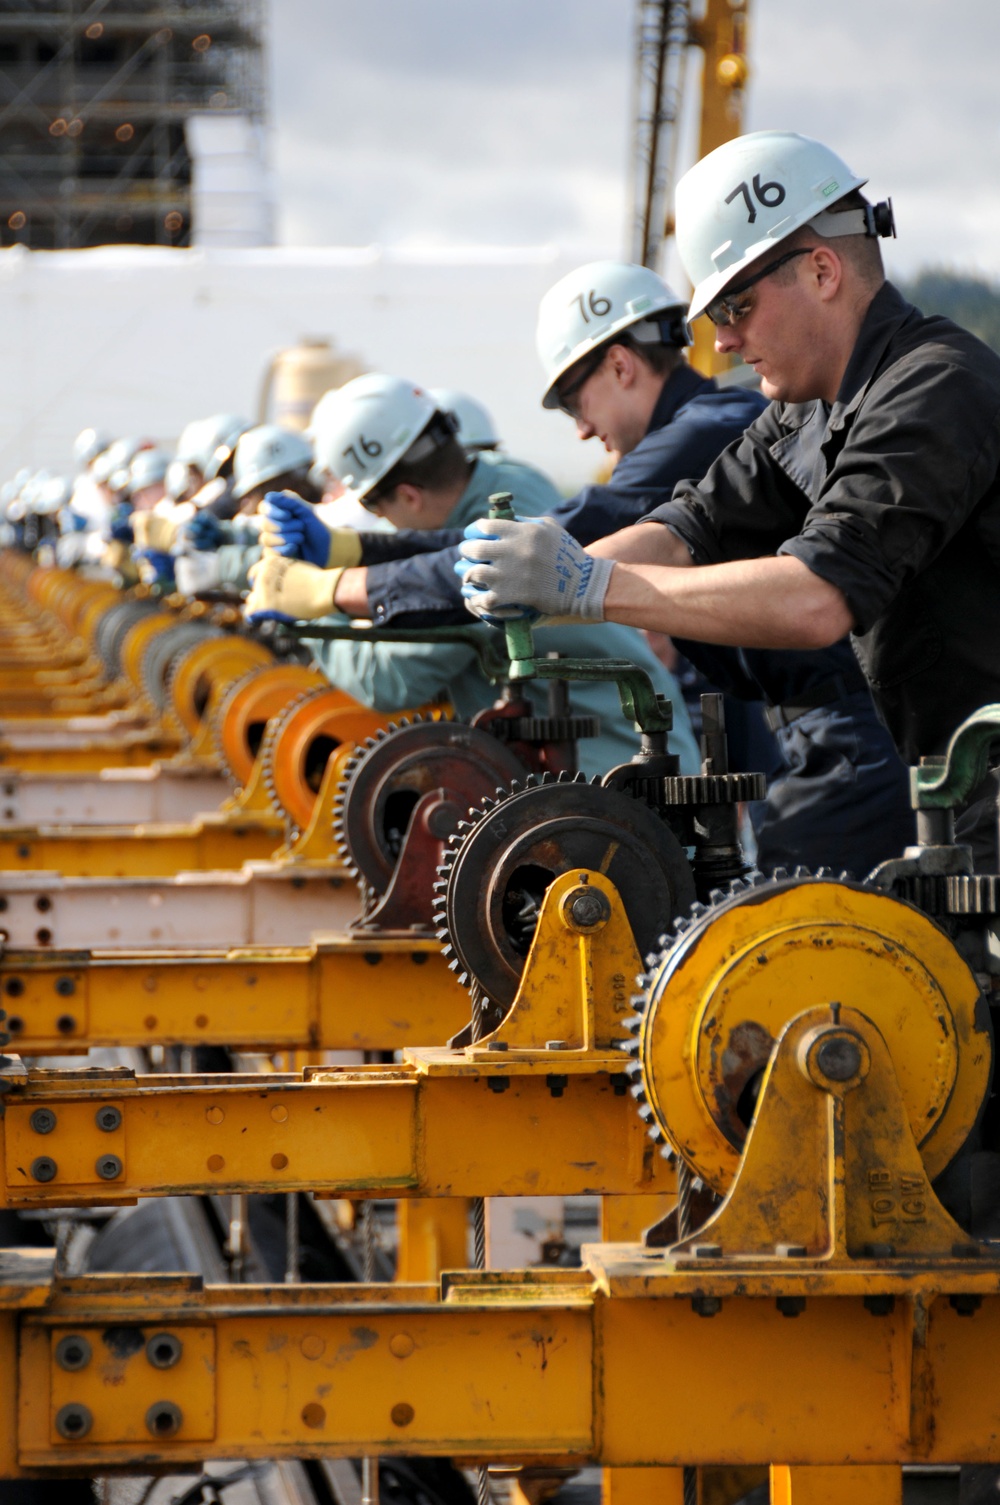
(163,1350)
(44,1168)
(43,1120)
(163,1419)
(65,987)
(73,1421)
(73,1352)
(588,907)
(66,1024)
(838,1057)
(108,1118)
(108,1167)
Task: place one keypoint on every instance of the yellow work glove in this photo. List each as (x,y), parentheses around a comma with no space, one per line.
(153,531)
(289,588)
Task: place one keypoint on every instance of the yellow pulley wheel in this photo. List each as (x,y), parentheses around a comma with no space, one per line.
(209,666)
(301,741)
(717,999)
(248,705)
(138,639)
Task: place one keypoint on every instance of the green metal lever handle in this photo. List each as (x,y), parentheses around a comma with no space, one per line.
(650,712)
(943,783)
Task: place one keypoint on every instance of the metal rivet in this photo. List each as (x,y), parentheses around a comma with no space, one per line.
(402,1414)
(108,1118)
(44,1168)
(65,987)
(73,1421)
(314,1415)
(14,987)
(163,1419)
(66,1024)
(43,1120)
(108,1167)
(163,1350)
(73,1352)
(401,1345)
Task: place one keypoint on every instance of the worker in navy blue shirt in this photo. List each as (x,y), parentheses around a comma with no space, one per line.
(610,336)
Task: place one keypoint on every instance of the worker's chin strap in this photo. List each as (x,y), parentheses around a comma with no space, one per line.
(873,220)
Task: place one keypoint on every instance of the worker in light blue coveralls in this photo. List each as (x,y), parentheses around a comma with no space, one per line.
(610,337)
(395,451)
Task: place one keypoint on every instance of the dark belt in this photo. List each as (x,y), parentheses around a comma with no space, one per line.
(825,693)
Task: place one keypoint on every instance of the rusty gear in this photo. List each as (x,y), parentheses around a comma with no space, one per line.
(502,860)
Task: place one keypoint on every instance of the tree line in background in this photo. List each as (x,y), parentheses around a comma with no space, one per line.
(972,302)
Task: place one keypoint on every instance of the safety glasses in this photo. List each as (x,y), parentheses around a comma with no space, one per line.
(736,303)
(565,395)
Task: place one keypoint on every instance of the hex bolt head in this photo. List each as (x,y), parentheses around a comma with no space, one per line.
(163,1350)
(588,907)
(44,1168)
(108,1118)
(43,1120)
(108,1167)
(838,1057)
(73,1421)
(73,1352)
(163,1419)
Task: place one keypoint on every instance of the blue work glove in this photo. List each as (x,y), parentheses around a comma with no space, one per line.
(155,567)
(205,531)
(121,525)
(292,528)
(524,570)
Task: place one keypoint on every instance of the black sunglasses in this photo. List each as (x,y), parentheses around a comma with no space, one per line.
(733,305)
(587,370)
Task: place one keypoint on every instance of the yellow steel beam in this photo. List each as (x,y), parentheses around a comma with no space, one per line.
(531,1366)
(68,753)
(213,841)
(345,993)
(376,1130)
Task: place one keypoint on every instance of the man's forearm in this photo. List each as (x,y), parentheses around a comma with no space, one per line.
(751,603)
(645,543)
(351,595)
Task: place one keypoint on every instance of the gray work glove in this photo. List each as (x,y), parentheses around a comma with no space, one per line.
(529,569)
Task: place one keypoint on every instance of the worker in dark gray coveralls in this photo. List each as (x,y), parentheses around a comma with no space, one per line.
(610,337)
(865,499)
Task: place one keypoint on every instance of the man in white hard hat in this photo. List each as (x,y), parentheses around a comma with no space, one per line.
(866,499)
(387,441)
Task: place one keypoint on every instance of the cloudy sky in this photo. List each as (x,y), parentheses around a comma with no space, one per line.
(455,122)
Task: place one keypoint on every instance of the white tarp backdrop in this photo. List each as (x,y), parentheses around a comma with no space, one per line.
(139,340)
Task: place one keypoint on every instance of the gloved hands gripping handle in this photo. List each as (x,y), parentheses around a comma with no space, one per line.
(528,569)
(292,529)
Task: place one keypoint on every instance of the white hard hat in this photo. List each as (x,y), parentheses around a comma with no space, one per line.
(147,467)
(601,299)
(191,443)
(177,480)
(219,442)
(88,444)
(111,465)
(750,194)
(264,453)
(476,429)
(50,493)
(363,428)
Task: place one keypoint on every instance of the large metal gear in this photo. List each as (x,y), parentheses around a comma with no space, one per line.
(383,781)
(299,742)
(498,866)
(737,971)
(240,720)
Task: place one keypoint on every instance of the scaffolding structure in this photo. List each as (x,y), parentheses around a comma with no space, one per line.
(94,96)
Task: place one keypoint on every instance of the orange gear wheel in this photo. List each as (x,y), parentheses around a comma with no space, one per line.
(248,705)
(300,742)
(209,667)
